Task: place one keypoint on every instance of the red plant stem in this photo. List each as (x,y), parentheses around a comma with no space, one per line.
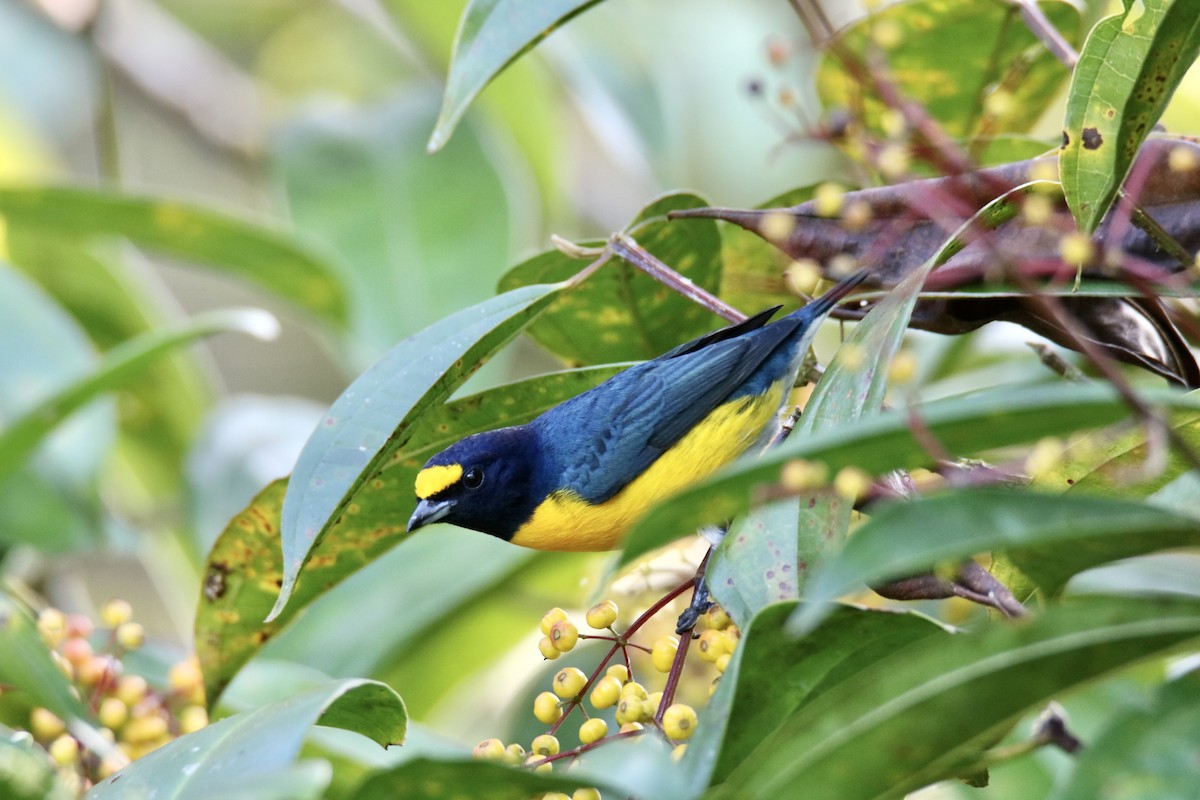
(624,246)
(680,652)
(583,748)
(1043,29)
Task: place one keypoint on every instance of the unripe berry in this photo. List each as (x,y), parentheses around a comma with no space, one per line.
(130,635)
(546,708)
(630,709)
(116,612)
(677,753)
(541,765)
(586,794)
(111,765)
(732,636)
(186,679)
(192,718)
(606,692)
(563,635)
(569,682)
(653,700)
(97,671)
(633,688)
(630,727)
(679,721)
(547,649)
(663,654)
(52,625)
(602,615)
(64,750)
(722,663)
(618,671)
(77,651)
(553,796)
(143,730)
(593,730)
(711,645)
(545,745)
(131,689)
(491,749)
(79,626)
(112,713)
(44,725)
(552,616)
(514,754)
(716,618)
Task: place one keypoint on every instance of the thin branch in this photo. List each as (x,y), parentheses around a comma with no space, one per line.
(1044,30)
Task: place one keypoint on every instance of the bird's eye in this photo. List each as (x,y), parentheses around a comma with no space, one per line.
(474,478)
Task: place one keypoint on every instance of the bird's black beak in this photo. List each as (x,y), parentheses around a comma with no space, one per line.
(428,512)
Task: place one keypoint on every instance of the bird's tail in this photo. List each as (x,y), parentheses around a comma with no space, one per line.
(825,303)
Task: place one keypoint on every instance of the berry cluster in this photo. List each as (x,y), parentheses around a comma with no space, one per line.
(135,717)
(612,685)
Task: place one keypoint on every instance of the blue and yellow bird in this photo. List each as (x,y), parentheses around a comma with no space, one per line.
(581,474)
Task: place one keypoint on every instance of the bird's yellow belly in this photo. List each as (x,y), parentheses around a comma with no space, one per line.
(565,521)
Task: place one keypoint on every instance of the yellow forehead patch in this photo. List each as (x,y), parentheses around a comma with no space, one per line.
(432,480)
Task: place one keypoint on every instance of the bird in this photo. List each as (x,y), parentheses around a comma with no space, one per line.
(580,475)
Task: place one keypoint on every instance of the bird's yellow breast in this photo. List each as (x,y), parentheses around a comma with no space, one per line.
(565,521)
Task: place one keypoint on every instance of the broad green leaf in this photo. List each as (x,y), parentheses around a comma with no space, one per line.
(159,413)
(419,237)
(375,416)
(242,750)
(493,34)
(1128,69)
(245,565)
(26,664)
(951,56)
(428,779)
(772,674)
(964,425)
(26,771)
(620,313)
(266,257)
(1049,537)
(1144,753)
(119,366)
(924,713)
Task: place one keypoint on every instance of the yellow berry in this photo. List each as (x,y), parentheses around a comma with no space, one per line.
(192,718)
(552,616)
(546,708)
(545,745)
(563,635)
(677,753)
(1182,159)
(618,671)
(44,725)
(586,794)
(803,277)
(1075,248)
(630,727)
(116,612)
(663,654)
(143,730)
(732,636)
(602,615)
(97,671)
(634,688)
(514,754)
(722,663)
(547,649)
(64,750)
(606,692)
(679,721)
(52,625)
(553,796)
(490,749)
(711,645)
(828,199)
(593,730)
(112,713)
(798,475)
(630,709)
(653,701)
(569,682)
(111,765)
(777,226)
(130,635)
(131,689)
(852,483)
(903,367)
(716,618)
(186,679)
(1045,457)
(539,764)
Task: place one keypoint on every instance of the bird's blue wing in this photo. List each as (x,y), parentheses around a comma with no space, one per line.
(606,437)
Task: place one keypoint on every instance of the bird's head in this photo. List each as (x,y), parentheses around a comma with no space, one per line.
(484,482)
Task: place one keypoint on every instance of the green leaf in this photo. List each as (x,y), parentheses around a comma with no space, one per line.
(924,713)
(950,57)
(26,664)
(428,779)
(1050,537)
(772,674)
(26,771)
(1144,753)
(964,425)
(119,366)
(245,565)
(375,416)
(268,258)
(620,313)
(360,184)
(1128,69)
(240,751)
(493,34)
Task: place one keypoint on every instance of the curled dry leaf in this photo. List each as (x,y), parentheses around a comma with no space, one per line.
(908,222)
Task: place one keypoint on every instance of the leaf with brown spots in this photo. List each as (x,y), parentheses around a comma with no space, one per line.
(245,567)
(1128,69)
(620,313)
